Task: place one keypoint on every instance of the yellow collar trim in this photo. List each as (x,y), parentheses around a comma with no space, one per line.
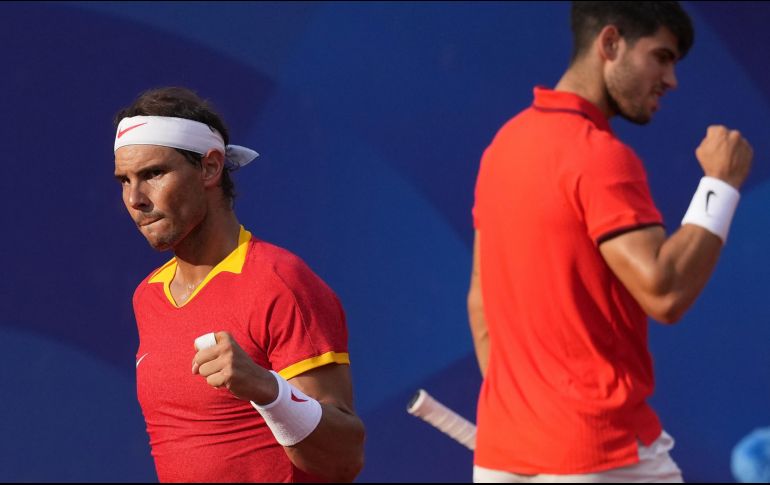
(233,263)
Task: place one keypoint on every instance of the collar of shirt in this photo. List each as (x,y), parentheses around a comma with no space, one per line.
(565,102)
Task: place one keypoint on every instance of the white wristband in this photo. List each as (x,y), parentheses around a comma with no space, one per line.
(292,416)
(713,206)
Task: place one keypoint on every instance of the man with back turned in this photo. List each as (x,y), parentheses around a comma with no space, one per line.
(570,258)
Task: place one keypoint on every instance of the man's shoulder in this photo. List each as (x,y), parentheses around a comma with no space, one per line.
(519,121)
(571,136)
(268,260)
(266,254)
(604,150)
(559,127)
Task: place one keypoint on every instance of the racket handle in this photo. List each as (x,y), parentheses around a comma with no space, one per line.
(424,406)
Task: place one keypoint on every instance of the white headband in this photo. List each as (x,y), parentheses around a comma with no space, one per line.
(179,133)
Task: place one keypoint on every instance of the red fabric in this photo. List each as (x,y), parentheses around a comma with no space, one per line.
(280,313)
(569,368)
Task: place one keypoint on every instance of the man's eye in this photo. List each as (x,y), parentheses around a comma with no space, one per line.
(156,173)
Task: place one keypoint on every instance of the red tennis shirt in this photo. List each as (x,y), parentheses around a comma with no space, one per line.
(281,313)
(569,368)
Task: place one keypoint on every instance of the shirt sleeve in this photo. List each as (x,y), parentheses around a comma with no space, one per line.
(305,324)
(614,194)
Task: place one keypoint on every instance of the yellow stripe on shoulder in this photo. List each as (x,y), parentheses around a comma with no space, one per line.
(305,365)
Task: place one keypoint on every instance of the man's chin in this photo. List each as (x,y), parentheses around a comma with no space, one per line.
(638,119)
(161,247)
(159,244)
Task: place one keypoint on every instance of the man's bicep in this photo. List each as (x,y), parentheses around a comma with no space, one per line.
(329,384)
(632,257)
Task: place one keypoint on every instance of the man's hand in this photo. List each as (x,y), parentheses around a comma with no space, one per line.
(227,364)
(334,450)
(725,154)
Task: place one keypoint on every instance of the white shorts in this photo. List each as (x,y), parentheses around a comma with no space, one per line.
(655,466)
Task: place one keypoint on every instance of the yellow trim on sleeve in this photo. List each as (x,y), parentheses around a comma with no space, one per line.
(303,366)
(233,263)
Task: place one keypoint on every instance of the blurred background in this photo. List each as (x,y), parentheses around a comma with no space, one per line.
(371,119)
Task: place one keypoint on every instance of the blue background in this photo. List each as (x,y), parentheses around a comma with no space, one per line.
(371,119)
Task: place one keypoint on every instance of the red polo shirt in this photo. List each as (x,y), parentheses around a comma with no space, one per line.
(569,369)
(280,313)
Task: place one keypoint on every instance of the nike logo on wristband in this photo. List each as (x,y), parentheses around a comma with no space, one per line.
(123,132)
(708,197)
(140,359)
(296,399)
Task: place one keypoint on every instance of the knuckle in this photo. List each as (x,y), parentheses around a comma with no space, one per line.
(227,355)
(223,338)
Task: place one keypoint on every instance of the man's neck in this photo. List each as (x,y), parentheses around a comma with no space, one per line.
(587,82)
(206,246)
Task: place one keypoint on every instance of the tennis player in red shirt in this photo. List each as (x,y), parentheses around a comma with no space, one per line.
(266,394)
(571,257)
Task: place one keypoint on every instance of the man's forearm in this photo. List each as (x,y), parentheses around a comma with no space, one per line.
(687,259)
(334,451)
(664,275)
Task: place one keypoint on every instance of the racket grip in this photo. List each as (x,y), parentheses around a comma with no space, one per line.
(424,406)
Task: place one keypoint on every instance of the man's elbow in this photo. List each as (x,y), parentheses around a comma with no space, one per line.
(355,461)
(660,298)
(350,472)
(667,309)
(475,304)
(356,464)
(667,318)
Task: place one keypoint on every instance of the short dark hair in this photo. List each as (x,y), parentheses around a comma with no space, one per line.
(633,20)
(182,103)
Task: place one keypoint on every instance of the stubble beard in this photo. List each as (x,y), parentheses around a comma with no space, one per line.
(622,88)
(164,241)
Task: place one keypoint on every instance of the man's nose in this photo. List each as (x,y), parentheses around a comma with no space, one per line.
(669,78)
(137,199)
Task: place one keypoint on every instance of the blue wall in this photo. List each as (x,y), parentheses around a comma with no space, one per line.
(371,119)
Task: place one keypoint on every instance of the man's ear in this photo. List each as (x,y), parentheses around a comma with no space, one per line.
(608,43)
(212,165)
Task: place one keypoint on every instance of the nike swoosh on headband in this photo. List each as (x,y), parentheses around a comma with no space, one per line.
(123,132)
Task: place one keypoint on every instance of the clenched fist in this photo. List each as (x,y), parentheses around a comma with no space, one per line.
(227,365)
(725,154)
